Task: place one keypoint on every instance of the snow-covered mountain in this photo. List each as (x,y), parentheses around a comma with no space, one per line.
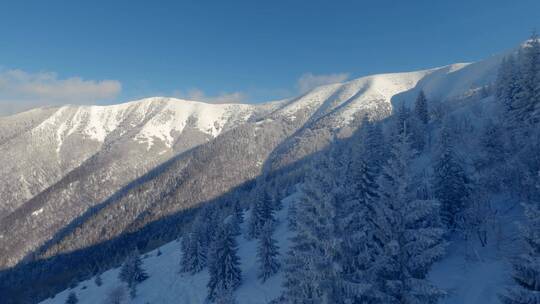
(81,177)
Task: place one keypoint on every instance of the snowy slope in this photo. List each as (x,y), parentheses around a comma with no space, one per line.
(159,117)
(167,285)
(469,273)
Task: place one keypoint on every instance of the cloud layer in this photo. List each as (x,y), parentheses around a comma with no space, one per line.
(20,90)
(309,81)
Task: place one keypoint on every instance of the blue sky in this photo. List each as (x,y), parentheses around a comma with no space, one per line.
(253,51)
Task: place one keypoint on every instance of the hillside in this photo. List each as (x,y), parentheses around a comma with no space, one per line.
(101,179)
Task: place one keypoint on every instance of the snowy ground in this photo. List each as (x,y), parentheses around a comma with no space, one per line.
(473,274)
(167,285)
(469,273)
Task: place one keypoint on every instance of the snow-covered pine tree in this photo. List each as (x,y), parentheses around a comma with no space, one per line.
(225,296)
(267,253)
(291,216)
(262,212)
(401,117)
(98,280)
(193,252)
(492,142)
(525,96)
(206,225)
(527,266)
(313,266)
(359,248)
(239,212)
(531,78)
(506,83)
(421,108)
(236,218)
(72,298)
(132,272)
(369,142)
(419,122)
(223,264)
(410,232)
(116,295)
(451,185)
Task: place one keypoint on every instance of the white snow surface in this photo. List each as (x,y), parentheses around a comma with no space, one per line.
(469,273)
(157,117)
(167,285)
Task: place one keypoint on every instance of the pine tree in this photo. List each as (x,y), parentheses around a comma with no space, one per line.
(72,298)
(421,108)
(193,252)
(450,183)
(98,280)
(401,118)
(531,76)
(207,224)
(525,96)
(527,267)
(291,217)
(409,231)
(267,253)
(419,122)
(506,84)
(261,213)
(239,212)
(492,142)
(359,246)
(236,219)
(225,296)
(223,264)
(312,270)
(132,272)
(372,146)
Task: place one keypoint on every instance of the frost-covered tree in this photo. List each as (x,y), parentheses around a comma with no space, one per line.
(262,212)
(409,230)
(419,122)
(506,85)
(372,145)
(401,119)
(208,223)
(132,272)
(225,296)
(267,253)
(291,216)
(421,108)
(236,218)
(527,266)
(530,81)
(98,280)
(223,264)
(359,247)
(116,295)
(193,251)
(492,142)
(72,298)
(518,88)
(238,212)
(451,185)
(313,263)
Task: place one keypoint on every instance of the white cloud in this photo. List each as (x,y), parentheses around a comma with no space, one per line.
(200,95)
(20,90)
(309,81)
